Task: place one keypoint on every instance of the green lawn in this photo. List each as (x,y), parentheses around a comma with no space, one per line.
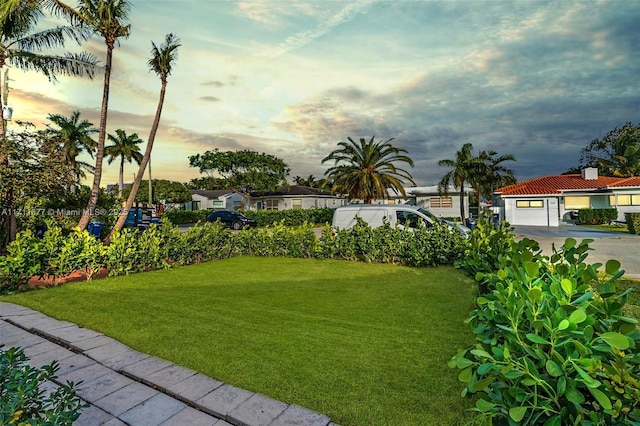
(366,344)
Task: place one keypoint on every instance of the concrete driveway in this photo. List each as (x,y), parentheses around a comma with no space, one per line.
(606,245)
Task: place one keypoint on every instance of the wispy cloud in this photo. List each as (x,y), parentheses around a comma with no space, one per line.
(296,41)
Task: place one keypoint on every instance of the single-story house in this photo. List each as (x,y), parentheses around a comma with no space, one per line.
(430,199)
(217,199)
(550,200)
(295,197)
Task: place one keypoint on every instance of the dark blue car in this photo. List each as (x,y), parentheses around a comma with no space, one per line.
(231,219)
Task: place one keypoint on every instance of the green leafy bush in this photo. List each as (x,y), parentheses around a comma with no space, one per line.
(179,217)
(596,216)
(633,222)
(23,401)
(554,347)
(23,261)
(293,217)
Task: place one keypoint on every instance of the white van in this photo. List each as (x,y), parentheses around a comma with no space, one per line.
(396,214)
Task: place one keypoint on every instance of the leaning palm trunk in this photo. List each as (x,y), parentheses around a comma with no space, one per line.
(143,165)
(97,175)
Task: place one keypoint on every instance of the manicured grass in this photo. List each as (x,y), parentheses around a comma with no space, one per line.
(610,228)
(366,344)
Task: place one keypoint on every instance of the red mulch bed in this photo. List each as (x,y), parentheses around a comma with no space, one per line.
(76,276)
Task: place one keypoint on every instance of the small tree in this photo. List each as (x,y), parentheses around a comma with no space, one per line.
(245,171)
(170,191)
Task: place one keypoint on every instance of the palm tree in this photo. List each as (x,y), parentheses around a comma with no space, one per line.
(496,175)
(126,148)
(21,46)
(463,170)
(161,62)
(106,18)
(73,137)
(366,170)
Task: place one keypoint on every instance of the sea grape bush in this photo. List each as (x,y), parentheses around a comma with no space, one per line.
(597,216)
(56,255)
(23,399)
(553,345)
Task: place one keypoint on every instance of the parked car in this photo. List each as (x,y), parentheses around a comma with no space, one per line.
(231,219)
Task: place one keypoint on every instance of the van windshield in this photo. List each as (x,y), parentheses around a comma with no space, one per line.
(428,214)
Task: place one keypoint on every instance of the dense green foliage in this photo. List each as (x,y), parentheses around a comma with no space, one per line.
(617,153)
(294,217)
(23,399)
(57,255)
(366,344)
(166,190)
(633,222)
(596,216)
(180,217)
(244,171)
(553,344)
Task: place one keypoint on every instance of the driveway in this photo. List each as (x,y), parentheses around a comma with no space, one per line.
(606,245)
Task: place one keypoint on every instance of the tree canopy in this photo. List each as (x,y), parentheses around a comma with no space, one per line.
(616,154)
(244,171)
(163,190)
(365,170)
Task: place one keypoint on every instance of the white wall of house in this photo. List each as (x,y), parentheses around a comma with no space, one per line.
(532,211)
(228,202)
(293,202)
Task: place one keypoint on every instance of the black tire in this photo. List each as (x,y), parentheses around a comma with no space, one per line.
(237,225)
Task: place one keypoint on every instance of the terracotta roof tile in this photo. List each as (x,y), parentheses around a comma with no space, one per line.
(562,183)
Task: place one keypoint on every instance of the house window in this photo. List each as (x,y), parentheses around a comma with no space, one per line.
(529,204)
(218,204)
(296,203)
(575,203)
(441,202)
(237,205)
(625,200)
(271,204)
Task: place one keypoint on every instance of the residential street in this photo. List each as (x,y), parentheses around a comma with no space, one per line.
(607,245)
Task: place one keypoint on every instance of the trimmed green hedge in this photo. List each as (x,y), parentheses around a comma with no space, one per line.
(596,216)
(633,222)
(293,217)
(57,255)
(180,217)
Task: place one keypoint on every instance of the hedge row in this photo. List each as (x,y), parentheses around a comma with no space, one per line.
(553,344)
(57,255)
(264,217)
(633,222)
(597,216)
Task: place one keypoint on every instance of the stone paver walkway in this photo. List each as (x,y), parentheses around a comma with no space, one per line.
(126,387)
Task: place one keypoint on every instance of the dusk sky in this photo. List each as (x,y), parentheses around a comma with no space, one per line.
(535,79)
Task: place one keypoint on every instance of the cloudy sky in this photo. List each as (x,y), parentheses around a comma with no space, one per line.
(535,79)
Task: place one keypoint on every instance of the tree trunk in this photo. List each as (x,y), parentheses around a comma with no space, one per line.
(143,165)
(121,178)
(462,215)
(97,176)
(150,185)
(4,159)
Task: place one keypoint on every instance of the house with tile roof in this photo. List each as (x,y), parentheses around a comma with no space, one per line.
(551,200)
(215,199)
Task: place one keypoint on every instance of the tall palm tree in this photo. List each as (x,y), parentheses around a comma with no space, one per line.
(127,149)
(365,170)
(463,171)
(21,46)
(107,19)
(73,137)
(161,62)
